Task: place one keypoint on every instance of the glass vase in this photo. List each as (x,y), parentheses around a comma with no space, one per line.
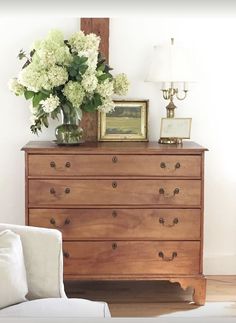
(69,132)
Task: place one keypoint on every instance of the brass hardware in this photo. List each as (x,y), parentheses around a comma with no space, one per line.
(67,221)
(162,221)
(162,165)
(53,164)
(114,214)
(114,184)
(161,191)
(52,190)
(114,246)
(176,191)
(164,258)
(67,164)
(66,254)
(52,221)
(114,159)
(177,165)
(67,190)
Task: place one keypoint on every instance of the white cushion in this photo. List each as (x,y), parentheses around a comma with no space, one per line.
(43,260)
(13,282)
(57,307)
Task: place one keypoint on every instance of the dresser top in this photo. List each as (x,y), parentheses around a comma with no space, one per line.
(47,147)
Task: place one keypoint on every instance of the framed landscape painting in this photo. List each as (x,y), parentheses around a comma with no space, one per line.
(127,122)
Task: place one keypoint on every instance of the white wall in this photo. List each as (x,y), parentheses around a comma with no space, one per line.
(210,103)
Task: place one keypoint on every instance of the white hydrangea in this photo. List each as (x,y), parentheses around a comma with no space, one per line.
(80,42)
(34,78)
(16,87)
(52,51)
(121,84)
(92,61)
(89,83)
(74,92)
(56,75)
(107,105)
(105,89)
(50,104)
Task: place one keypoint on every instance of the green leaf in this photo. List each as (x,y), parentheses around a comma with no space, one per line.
(97,100)
(28,94)
(83,68)
(38,97)
(80,60)
(103,77)
(21,54)
(101,67)
(78,77)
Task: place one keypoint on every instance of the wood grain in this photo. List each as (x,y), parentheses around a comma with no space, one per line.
(130,258)
(114,164)
(114,192)
(120,224)
(100,27)
(85,186)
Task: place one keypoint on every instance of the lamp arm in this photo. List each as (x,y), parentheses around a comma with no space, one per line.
(181,97)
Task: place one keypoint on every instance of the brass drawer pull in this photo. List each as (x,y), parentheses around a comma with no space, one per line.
(162,165)
(67,190)
(53,164)
(67,164)
(164,258)
(175,221)
(53,222)
(114,214)
(177,165)
(114,184)
(52,190)
(114,159)
(162,192)
(67,221)
(176,191)
(114,246)
(66,254)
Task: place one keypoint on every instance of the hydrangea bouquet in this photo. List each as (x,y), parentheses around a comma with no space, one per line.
(66,77)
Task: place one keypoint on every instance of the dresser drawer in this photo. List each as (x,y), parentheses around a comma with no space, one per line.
(111,165)
(131,257)
(127,224)
(115,192)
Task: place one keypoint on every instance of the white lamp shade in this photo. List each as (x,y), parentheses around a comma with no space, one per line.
(171,63)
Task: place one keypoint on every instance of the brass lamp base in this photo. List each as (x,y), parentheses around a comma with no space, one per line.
(170,141)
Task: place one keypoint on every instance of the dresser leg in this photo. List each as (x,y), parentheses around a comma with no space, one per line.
(199,294)
(198,285)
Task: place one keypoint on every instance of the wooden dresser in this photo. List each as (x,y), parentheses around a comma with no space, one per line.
(127,211)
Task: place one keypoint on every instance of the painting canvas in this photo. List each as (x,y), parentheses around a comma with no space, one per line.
(128,122)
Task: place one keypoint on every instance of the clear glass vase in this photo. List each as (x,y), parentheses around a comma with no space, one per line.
(69,132)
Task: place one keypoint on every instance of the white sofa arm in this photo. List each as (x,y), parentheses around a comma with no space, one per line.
(43,260)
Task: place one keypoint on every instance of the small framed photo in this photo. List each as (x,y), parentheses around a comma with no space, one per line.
(127,122)
(176,128)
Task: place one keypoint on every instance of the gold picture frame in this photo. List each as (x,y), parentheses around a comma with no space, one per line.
(175,129)
(127,122)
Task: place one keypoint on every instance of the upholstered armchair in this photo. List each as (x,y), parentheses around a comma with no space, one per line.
(42,252)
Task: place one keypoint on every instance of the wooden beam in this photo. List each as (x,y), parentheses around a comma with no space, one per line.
(100,27)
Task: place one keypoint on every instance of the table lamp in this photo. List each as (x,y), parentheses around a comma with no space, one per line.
(172,66)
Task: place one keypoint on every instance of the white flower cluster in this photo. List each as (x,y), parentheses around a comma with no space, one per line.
(74,92)
(57,68)
(50,104)
(16,87)
(121,84)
